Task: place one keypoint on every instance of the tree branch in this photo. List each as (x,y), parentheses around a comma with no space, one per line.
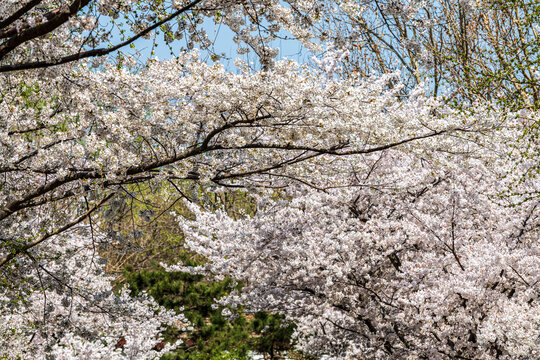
(94,52)
(17,14)
(30,245)
(61,17)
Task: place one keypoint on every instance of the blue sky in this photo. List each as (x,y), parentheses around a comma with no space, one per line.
(223,44)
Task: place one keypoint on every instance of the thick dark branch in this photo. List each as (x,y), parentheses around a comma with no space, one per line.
(60,230)
(17,132)
(335,150)
(19,204)
(77,190)
(17,14)
(24,202)
(230,125)
(60,18)
(394,144)
(94,52)
(453,237)
(332,151)
(294,160)
(524,223)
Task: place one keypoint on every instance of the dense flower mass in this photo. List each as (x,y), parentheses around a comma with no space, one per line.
(71,139)
(61,304)
(389,223)
(418,257)
(66,135)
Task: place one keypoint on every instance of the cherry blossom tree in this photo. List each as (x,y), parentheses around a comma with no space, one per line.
(74,139)
(62,305)
(44,33)
(384,233)
(66,151)
(418,257)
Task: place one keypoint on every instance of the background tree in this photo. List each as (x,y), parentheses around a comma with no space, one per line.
(466,50)
(73,140)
